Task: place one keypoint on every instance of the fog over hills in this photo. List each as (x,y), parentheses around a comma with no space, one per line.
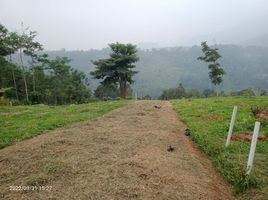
(261,40)
(166,32)
(163,68)
(250,32)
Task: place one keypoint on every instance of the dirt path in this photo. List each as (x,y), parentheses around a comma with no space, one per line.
(122,155)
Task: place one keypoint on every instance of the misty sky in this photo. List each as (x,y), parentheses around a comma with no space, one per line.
(86,24)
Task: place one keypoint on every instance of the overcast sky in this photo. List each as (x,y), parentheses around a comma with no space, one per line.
(86,24)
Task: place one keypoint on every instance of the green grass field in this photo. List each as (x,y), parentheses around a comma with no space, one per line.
(208,120)
(21,122)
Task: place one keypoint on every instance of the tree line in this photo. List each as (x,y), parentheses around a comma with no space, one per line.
(42,80)
(181,92)
(54,81)
(164,68)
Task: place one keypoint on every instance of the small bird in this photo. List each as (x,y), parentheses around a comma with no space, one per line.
(187,132)
(158,107)
(170,148)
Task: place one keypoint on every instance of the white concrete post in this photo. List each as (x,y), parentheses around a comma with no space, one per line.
(253,147)
(231,127)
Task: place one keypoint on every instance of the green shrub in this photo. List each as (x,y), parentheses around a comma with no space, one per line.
(4,101)
(15,102)
(26,102)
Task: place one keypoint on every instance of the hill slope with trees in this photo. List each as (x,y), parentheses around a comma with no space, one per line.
(164,68)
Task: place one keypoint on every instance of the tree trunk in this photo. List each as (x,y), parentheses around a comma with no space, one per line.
(14,79)
(123,88)
(217,90)
(15,84)
(24,77)
(55,100)
(33,74)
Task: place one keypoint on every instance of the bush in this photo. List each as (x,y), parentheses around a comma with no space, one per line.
(4,101)
(35,97)
(26,102)
(246,92)
(106,98)
(15,102)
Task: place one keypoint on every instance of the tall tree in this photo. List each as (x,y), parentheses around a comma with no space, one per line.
(13,43)
(3,41)
(211,56)
(21,46)
(30,48)
(118,68)
(8,46)
(54,81)
(4,51)
(68,85)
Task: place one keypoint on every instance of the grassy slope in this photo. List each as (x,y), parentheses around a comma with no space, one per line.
(211,135)
(21,122)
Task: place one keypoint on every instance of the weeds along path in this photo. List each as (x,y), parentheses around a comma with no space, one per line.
(122,155)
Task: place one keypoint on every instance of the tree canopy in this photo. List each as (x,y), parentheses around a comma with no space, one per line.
(118,68)
(43,80)
(211,57)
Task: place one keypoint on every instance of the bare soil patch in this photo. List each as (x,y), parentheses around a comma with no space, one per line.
(247,136)
(260,113)
(122,155)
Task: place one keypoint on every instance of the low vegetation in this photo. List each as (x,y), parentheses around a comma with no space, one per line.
(181,92)
(208,120)
(21,122)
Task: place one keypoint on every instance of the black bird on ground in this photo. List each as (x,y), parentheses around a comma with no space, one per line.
(187,132)
(170,148)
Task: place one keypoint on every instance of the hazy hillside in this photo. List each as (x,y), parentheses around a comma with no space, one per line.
(163,68)
(167,67)
(258,41)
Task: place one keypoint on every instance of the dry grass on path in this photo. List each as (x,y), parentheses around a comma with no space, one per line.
(122,155)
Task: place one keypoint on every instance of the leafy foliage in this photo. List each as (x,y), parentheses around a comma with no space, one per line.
(180,92)
(51,81)
(211,56)
(174,93)
(117,68)
(110,91)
